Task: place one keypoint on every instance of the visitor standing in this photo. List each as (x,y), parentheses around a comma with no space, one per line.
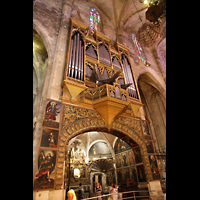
(114,192)
(98,190)
(71,195)
(80,191)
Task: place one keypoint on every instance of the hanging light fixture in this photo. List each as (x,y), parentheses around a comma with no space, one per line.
(148,34)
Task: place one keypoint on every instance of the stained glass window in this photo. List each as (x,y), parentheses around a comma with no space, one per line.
(139,49)
(94,19)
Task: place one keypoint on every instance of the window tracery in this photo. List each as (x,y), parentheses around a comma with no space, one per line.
(139,49)
(94,19)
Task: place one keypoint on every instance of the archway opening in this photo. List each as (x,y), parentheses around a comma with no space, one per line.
(106,157)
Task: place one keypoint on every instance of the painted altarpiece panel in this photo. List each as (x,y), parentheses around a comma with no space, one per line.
(145,128)
(154,167)
(137,154)
(141,173)
(49,138)
(45,170)
(52,114)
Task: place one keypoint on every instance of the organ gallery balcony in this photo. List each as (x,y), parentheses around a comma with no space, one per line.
(108,100)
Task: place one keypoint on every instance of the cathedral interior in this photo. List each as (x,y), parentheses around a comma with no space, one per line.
(99,96)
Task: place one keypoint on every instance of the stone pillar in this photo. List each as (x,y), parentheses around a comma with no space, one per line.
(37,121)
(155,190)
(55,89)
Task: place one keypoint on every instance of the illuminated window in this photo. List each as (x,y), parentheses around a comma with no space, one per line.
(94,19)
(139,49)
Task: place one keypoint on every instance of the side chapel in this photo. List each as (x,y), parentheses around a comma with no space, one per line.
(99,96)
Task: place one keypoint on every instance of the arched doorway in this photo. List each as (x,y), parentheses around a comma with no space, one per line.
(90,153)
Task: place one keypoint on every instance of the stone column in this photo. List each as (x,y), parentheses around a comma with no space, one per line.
(55,89)
(37,121)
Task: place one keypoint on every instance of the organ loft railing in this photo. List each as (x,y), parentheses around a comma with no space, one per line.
(95,68)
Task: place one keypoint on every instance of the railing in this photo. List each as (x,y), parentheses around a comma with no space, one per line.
(105,90)
(121,194)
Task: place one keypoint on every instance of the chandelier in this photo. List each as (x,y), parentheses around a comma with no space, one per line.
(148,34)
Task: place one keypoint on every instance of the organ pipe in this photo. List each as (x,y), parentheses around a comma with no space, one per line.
(73,57)
(70,64)
(79,63)
(82,61)
(77,52)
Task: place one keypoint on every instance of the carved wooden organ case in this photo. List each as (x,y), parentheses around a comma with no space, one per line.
(87,51)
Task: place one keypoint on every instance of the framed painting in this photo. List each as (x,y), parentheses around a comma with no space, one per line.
(154,167)
(145,128)
(121,146)
(118,160)
(126,173)
(149,145)
(137,155)
(119,176)
(141,173)
(45,171)
(83,172)
(131,157)
(99,148)
(52,114)
(49,138)
(133,173)
(124,159)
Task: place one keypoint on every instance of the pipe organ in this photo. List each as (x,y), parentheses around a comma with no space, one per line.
(87,51)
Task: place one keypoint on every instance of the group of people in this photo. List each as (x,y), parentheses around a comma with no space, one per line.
(107,190)
(98,191)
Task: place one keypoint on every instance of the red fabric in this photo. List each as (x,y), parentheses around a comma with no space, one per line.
(42,172)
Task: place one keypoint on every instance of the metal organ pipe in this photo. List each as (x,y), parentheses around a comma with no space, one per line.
(82,61)
(79,63)
(70,63)
(77,52)
(73,57)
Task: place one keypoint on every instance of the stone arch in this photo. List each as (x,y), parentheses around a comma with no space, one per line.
(44,37)
(122,126)
(152,80)
(153,96)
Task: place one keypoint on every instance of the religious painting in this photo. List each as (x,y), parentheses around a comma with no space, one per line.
(154,167)
(52,114)
(119,176)
(83,172)
(109,178)
(99,148)
(124,159)
(49,138)
(145,129)
(121,146)
(45,172)
(131,157)
(133,173)
(118,160)
(126,173)
(149,145)
(137,154)
(141,173)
